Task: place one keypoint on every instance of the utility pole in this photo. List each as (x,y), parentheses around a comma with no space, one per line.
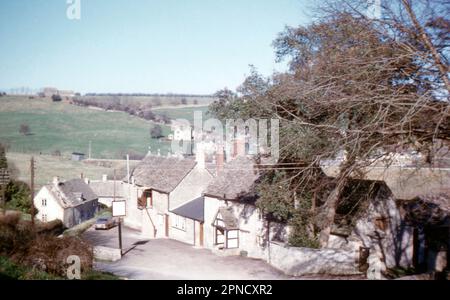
(120,219)
(32,191)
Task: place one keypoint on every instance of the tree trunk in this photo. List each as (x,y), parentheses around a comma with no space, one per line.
(331,204)
(443,69)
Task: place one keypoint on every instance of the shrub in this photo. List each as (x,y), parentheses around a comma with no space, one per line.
(24,129)
(17,195)
(56,98)
(49,254)
(11,271)
(156,132)
(148,115)
(55,227)
(15,235)
(56,153)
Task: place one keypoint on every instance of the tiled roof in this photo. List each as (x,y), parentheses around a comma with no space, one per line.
(228,218)
(236,180)
(72,193)
(106,188)
(162,173)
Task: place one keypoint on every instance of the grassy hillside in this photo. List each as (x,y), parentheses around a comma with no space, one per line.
(48,166)
(68,128)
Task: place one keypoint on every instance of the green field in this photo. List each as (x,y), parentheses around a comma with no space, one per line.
(47,167)
(60,126)
(69,128)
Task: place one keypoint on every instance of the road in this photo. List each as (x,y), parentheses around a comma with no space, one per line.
(166,259)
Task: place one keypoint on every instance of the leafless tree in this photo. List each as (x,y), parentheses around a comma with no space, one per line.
(357,85)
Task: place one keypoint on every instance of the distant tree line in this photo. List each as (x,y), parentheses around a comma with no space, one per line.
(141,110)
(147,95)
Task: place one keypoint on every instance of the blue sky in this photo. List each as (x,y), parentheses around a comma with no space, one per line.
(161,46)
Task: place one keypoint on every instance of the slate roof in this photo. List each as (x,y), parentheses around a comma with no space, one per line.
(236,180)
(72,193)
(194,210)
(162,173)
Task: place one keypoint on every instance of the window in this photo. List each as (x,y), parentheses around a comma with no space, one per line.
(145,200)
(44,202)
(44,218)
(180,222)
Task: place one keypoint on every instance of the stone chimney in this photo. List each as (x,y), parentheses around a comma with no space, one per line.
(239,146)
(55,181)
(86,180)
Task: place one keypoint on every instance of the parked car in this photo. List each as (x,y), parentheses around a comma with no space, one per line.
(105,223)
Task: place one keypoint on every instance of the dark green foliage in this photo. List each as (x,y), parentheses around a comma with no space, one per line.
(301,235)
(275,197)
(12,271)
(156,132)
(17,195)
(56,98)
(96,275)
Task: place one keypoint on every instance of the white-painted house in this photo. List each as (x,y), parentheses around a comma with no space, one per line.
(72,202)
(233,224)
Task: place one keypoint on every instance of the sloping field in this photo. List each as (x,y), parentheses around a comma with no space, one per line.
(47,167)
(68,128)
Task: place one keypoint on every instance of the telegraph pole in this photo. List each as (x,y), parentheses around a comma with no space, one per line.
(120,219)
(32,190)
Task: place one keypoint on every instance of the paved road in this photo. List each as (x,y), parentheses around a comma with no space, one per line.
(171,260)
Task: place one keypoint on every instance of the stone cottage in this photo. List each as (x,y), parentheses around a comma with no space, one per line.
(159,185)
(72,202)
(392,233)
(233,224)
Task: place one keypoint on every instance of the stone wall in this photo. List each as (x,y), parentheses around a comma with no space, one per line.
(296,261)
